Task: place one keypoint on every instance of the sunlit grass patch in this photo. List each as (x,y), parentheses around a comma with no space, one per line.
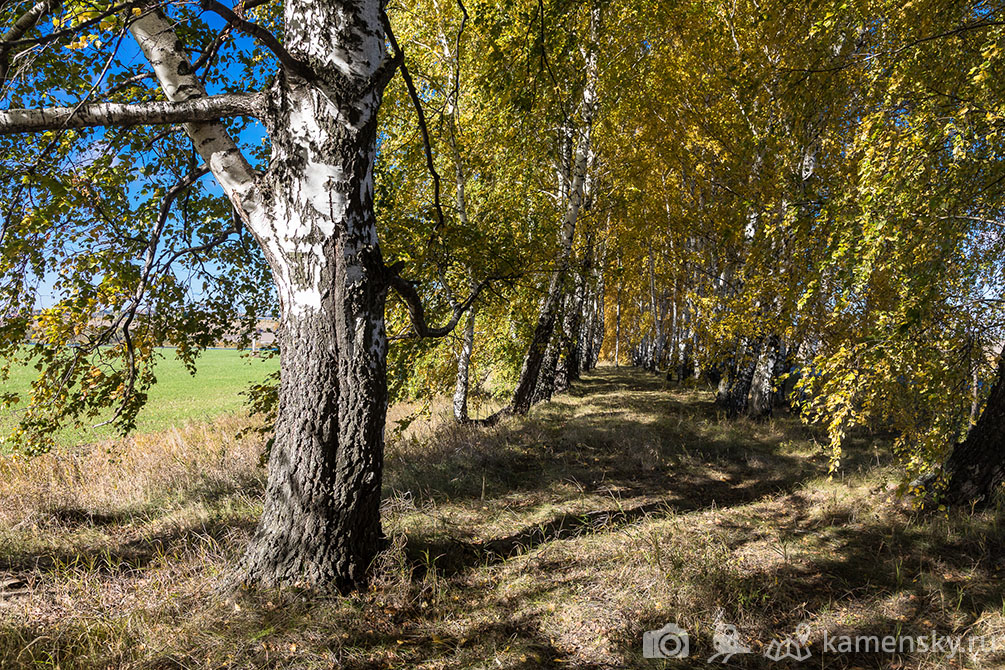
(177,399)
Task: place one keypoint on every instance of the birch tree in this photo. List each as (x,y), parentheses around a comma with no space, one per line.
(574,162)
(306,202)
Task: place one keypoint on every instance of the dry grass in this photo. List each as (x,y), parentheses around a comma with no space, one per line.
(550,541)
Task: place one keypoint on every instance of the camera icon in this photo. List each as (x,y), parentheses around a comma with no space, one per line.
(670,641)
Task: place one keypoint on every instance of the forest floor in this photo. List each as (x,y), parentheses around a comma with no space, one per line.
(549,541)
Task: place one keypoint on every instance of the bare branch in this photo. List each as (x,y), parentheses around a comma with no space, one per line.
(143,113)
(205,59)
(129,313)
(416,310)
(199,248)
(209,53)
(135,80)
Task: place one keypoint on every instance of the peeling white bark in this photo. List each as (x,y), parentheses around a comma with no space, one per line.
(145,113)
(159,42)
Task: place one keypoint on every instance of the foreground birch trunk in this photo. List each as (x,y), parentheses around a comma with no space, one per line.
(321,521)
(312,214)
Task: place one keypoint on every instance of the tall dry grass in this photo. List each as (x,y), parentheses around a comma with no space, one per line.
(142,474)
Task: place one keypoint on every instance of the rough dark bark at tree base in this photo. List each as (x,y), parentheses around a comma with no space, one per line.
(976,468)
(523,395)
(320,526)
(735,401)
(571,353)
(546,377)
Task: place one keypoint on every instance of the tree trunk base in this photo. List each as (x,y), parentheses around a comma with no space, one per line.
(337,572)
(976,468)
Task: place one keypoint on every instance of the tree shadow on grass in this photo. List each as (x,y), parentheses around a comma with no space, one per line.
(452,556)
(79,516)
(633,443)
(648,452)
(852,573)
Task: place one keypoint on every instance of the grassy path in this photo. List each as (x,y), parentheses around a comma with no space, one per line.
(550,541)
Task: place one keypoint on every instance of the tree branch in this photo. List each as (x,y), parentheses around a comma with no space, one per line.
(127,315)
(267,39)
(417,312)
(417,103)
(135,80)
(142,113)
(67,32)
(24,23)
(27,21)
(163,50)
(457,52)
(858,60)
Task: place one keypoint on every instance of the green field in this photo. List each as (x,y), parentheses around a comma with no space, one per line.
(177,398)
